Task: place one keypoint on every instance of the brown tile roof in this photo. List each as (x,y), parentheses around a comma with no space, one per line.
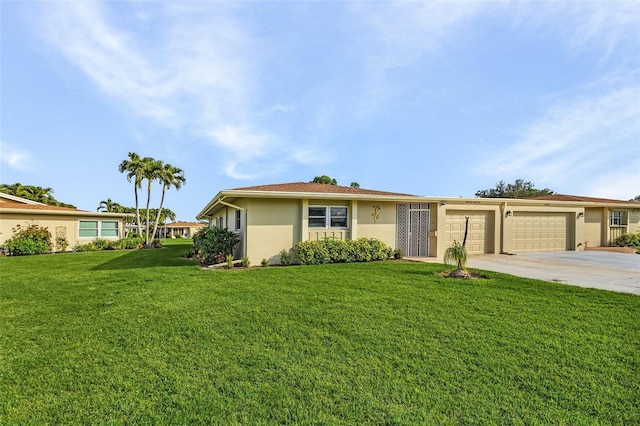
(304,187)
(581,199)
(184,224)
(16,205)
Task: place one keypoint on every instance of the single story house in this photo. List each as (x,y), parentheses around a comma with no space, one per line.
(270,218)
(182,229)
(76,226)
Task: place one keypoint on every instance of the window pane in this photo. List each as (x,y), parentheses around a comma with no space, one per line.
(109,233)
(338,222)
(92,233)
(109,225)
(317,212)
(338,211)
(88,224)
(317,222)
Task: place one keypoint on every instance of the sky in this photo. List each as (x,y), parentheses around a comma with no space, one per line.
(426,98)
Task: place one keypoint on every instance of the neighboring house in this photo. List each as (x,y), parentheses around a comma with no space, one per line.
(182,229)
(270,218)
(77,226)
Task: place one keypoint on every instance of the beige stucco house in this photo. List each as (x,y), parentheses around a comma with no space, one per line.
(270,218)
(77,226)
(182,229)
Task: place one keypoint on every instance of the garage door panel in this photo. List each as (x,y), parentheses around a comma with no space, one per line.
(480,231)
(540,231)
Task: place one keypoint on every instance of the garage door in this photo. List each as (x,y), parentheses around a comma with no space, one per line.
(540,231)
(480,235)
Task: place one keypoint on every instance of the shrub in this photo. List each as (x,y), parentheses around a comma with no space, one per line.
(212,245)
(285,258)
(129,243)
(102,244)
(29,240)
(628,240)
(337,251)
(245,262)
(229,261)
(398,254)
(264,263)
(79,248)
(61,243)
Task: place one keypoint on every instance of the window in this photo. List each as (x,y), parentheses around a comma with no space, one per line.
(327,216)
(238,223)
(96,228)
(617,218)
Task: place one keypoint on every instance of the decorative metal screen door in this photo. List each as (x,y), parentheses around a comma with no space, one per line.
(412,235)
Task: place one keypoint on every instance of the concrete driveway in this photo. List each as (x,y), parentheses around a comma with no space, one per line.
(595,269)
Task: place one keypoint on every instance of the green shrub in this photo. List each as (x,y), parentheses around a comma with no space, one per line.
(61,243)
(264,263)
(29,240)
(79,248)
(628,240)
(129,243)
(102,244)
(245,262)
(337,251)
(212,245)
(398,254)
(285,257)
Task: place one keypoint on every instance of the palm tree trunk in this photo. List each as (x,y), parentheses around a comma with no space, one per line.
(155,225)
(147,224)
(135,188)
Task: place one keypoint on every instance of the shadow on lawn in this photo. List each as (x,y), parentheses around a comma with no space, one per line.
(147,258)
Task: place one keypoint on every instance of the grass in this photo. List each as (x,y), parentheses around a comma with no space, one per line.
(147,337)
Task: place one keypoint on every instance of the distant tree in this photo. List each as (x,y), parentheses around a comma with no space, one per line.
(325,180)
(636,199)
(33,193)
(354,185)
(133,168)
(110,206)
(519,189)
(168,176)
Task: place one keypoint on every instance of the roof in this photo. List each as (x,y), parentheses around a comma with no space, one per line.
(184,224)
(316,188)
(581,199)
(17,205)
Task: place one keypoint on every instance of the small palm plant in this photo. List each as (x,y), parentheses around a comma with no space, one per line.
(457,254)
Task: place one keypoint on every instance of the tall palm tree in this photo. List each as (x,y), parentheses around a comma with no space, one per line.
(151,171)
(133,168)
(169,176)
(163,216)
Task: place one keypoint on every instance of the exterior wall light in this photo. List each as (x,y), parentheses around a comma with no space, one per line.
(509,213)
(443,203)
(581,214)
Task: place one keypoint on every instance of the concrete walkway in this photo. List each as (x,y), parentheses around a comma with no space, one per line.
(594,269)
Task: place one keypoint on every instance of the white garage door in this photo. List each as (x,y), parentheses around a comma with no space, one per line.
(540,231)
(480,234)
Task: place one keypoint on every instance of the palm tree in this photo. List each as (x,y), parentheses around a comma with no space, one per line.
(457,253)
(110,206)
(169,176)
(164,215)
(151,170)
(133,167)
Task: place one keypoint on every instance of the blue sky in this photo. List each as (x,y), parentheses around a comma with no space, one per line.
(437,98)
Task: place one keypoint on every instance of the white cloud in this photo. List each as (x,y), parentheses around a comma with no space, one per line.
(575,141)
(14,158)
(197,74)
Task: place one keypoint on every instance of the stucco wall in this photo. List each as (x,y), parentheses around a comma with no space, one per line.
(593,226)
(272,226)
(383,228)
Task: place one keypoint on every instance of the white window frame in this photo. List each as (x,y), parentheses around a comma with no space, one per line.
(617,218)
(98,229)
(329,216)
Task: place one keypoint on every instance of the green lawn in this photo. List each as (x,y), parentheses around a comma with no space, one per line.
(147,337)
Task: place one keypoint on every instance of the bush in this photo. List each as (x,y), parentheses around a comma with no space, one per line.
(29,240)
(245,262)
(264,263)
(337,251)
(285,258)
(628,240)
(212,245)
(128,243)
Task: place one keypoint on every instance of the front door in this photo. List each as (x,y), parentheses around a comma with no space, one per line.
(412,233)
